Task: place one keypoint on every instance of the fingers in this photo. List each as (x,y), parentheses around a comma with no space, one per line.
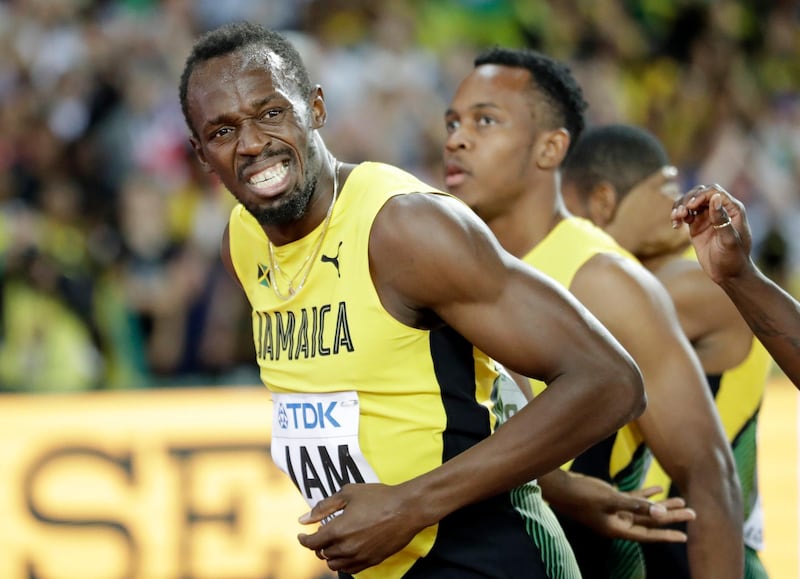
(673,503)
(637,504)
(688,206)
(668,516)
(719,216)
(313,542)
(323,509)
(648,535)
(647,492)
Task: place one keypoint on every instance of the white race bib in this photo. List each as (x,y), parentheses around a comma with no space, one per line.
(315,442)
(506,394)
(754,527)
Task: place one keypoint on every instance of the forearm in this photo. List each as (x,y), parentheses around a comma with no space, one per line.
(535,441)
(715,539)
(559,492)
(772,314)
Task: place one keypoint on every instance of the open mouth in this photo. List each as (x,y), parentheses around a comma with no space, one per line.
(271,180)
(454,175)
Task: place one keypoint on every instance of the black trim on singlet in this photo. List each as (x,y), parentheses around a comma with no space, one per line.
(714,382)
(454,366)
(667,560)
(487,539)
(595,460)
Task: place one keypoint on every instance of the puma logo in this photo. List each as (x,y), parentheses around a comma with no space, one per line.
(334,260)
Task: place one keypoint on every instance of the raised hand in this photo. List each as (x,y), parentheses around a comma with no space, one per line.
(718,228)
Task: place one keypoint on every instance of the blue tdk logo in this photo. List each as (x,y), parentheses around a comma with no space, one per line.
(306,415)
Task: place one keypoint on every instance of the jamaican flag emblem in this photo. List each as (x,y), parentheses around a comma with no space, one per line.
(263,275)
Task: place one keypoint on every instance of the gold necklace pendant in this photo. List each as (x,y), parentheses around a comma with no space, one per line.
(308,262)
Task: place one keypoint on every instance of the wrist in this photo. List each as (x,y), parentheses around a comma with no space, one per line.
(421,504)
(738,281)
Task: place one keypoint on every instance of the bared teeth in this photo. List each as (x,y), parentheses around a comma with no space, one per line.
(275,172)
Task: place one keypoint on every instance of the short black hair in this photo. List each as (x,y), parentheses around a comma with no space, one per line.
(552,82)
(232,38)
(622,155)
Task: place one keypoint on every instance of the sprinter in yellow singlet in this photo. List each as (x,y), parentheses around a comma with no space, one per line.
(619,177)
(509,126)
(377,307)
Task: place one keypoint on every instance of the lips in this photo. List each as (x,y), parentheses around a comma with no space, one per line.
(270,180)
(455,173)
(270,173)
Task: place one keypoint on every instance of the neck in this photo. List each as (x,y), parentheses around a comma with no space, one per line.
(525,223)
(318,205)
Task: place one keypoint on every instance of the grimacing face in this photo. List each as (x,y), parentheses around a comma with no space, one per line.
(256,132)
(491,133)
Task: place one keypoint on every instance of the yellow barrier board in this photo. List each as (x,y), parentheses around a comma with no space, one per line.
(148,484)
(172,484)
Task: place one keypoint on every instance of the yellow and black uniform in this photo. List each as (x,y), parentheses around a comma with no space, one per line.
(622,458)
(738,393)
(359,396)
(540,520)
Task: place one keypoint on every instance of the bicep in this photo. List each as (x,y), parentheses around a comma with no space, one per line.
(680,411)
(446,260)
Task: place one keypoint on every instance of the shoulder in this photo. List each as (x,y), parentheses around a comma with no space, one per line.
(429,230)
(426,250)
(620,291)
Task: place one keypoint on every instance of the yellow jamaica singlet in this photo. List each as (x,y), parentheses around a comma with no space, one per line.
(622,458)
(738,393)
(361,397)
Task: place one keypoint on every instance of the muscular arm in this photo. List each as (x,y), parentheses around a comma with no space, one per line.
(680,424)
(431,258)
(515,315)
(724,253)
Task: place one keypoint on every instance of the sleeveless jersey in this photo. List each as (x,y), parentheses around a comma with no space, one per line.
(621,459)
(361,397)
(738,393)
(540,520)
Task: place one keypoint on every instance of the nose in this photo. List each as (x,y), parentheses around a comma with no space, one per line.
(456,139)
(252,140)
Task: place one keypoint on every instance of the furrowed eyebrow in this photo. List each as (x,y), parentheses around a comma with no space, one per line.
(474,107)
(225,117)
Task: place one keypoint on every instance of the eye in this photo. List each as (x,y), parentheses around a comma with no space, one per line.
(269,114)
(219,133)
(486,120)
(451,126)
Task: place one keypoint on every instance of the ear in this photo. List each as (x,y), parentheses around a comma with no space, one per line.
(198,151)
(602,204)
(319,113)
(552,148)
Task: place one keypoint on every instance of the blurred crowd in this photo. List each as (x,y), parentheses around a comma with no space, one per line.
(109,231)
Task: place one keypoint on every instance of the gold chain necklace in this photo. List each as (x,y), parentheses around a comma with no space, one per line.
(308,262)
